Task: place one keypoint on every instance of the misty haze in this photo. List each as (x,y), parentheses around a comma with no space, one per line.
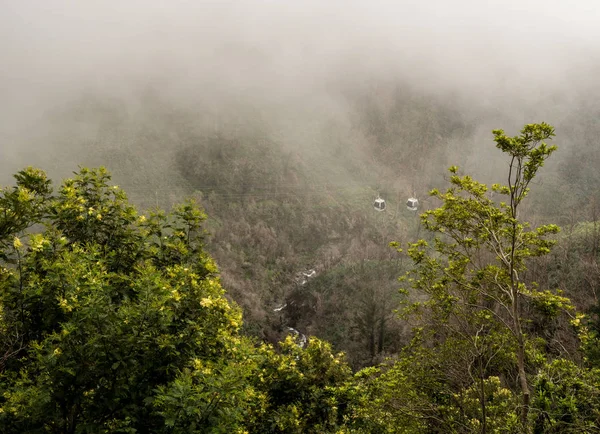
(317,268)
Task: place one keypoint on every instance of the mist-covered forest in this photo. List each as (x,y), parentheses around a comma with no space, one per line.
(201,250)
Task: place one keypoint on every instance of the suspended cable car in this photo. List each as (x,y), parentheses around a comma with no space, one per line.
(379,204)
(412,203)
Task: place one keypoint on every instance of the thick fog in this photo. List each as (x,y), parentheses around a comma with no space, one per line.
(296,60)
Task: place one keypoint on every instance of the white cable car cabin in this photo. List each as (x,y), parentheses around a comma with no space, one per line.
(379,204)
(412,203)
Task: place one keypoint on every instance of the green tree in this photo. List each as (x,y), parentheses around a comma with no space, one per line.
(431,389)
(107,315)
(306,390)
(476,298)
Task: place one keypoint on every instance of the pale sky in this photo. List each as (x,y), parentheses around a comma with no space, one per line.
(47,43)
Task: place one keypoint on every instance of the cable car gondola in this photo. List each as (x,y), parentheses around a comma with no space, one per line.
(379,204)
(412,203)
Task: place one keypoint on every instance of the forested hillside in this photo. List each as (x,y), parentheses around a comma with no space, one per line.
(114,321)
(278,207)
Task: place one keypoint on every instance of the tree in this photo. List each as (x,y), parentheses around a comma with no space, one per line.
(105,313)
(472,277)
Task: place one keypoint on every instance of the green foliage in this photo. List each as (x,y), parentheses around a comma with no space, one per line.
(530,149)
(21,206)
(566,398)
(307,389)
(407,397)
(211,396)
(477,301)
(574,267)
(104,311)
(501,406)
(429,389)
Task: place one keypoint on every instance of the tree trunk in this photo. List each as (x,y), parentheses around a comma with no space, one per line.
(524,412)
(524,385)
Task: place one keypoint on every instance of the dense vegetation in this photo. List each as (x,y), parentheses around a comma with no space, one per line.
(115,321)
